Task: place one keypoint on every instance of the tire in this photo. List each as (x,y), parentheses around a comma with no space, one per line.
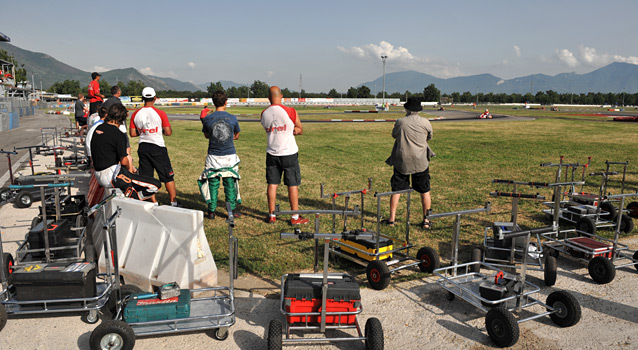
(636,259)
(626,224)
(477,255)
(549,271)
(90,317)
(3,317)
(4,194)
(89,253)
(610,209)
(7,262)
(374,334)
(601,270)
(112,334)
(553,252)
(429,259)
(274,335)
(586,224)
(378,274)
(80,221)
(450,296)
(568,308)
(632,208)
(23,199)
(502,327)
(109,309)
(36,220)
(221,333)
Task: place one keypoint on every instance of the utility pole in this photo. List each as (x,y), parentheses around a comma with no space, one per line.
(383,58)
(300,85)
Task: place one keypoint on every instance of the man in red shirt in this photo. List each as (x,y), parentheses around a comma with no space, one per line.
(203,113)
(95,98)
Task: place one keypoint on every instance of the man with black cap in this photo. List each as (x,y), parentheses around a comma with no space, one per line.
(95,98)
(410,158)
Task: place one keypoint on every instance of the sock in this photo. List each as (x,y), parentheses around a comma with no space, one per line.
(295,217)
(174,204)
(273,215)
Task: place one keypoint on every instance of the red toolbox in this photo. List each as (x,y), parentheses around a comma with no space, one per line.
(302,294)
(597,248)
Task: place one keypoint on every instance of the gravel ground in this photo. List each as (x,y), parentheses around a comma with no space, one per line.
(414,314)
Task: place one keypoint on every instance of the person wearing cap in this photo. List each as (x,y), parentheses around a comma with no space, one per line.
(410,158)
(95,98)
(282,124)
(150,124)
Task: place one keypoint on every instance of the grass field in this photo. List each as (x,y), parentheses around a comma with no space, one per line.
(343,156)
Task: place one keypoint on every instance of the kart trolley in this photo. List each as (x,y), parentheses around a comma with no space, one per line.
(57,287)
(500,294)
(508,253)
(382,251)
(601,254)
(136,313)
(319,302)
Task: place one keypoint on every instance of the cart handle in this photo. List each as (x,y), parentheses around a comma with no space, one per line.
(619,163)
(382,194)
(517,195)
(8,152)
(94,208)
(529,232)
(17,187)
(603,173)
(625,195)
(530,183)
(486,208)
(109,222)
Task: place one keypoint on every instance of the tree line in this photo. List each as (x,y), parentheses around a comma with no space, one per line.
(259,89)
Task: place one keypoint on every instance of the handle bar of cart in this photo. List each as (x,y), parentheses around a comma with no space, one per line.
(347,194)
(99,205)
(516,195)
(528,183)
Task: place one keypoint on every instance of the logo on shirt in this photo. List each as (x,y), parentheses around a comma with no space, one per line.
(276,129)
(150,131)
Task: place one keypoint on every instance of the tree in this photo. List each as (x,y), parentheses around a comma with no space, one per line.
(214,87)
(133,88)
(259,89)
(363,92)
(431,94)
(71,87)
(333,93)
(352,92)
(20,71)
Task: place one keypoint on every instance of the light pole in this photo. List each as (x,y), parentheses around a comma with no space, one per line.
(383,58)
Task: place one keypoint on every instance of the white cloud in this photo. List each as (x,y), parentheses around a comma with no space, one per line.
(100,69)
(146,71)
(567,57)
(500,82)
(270,74)
(590,56)
(401,57)
(191,65)
(150,71)
(517,51)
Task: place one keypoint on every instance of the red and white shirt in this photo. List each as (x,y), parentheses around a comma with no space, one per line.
(94,91)
(149,122)
(279,123)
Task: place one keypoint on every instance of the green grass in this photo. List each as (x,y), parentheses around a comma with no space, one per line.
(343,156)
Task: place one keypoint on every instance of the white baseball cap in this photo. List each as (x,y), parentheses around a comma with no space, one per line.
(148,92)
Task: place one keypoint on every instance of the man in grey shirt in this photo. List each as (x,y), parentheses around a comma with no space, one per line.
(410,158)
(116,92)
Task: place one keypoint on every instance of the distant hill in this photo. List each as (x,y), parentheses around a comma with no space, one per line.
(225,83)
(616,77)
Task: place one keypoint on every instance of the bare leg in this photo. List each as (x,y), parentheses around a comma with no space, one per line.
(271,193)
(293,197)
(426,202)
(172,192)
(394,203)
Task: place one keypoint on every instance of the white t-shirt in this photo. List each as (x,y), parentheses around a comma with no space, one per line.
(149,122)
(279,123)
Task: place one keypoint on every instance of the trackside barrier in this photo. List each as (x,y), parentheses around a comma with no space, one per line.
(159,244)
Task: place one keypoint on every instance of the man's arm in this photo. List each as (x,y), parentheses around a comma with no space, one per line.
(132,131)
(167,131)
(236,136)
(298,129)
(125,163)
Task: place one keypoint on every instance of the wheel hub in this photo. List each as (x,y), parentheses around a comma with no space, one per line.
(561,309)
(112,342)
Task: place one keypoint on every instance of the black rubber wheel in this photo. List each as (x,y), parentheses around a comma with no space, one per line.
(378,274)
(610,210)
(429,259)
(80,221)
(601,270)
(553,252)
(374,334)
(586,224)
(221,333)
(274,335)
(36,220)
(7,262)
(636,259)
(109,309)
(89,253)
(4,194)
(632,208)
(90,317)
(502,327)
(112,334)
(23,199)
(549,271)
(626,224)
(3,317)
(477,255)
(567,308)
(450,296)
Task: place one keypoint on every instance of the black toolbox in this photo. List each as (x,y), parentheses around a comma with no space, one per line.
(54,281)
(59,232)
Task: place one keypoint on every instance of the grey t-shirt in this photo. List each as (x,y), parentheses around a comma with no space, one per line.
(79,109)
(411,152)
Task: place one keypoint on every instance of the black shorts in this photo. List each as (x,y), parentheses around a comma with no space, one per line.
(420,181)
(288,165)
(93,106)
(82,121)
(136,186)
(155,158)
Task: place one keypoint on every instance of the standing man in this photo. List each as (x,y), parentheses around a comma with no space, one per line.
(410,157)
(150,123)
(116,92)
(282,124)
(95,98)
(80,114)
(204,112)
(221,129)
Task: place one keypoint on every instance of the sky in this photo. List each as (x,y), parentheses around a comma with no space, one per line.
(329,44)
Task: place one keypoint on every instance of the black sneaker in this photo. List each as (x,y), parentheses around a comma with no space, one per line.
(210,215)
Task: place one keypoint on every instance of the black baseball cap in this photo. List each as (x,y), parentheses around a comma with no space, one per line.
(95,74)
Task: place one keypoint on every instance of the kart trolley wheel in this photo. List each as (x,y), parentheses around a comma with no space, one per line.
(374,334)
(502,327)
(8,262)
(586,224)
(567,308)
(549,271)
(110,308)
(221,333)
(626,223)
(429,259)
(23,199)
(112,335)
(4,194)
(274,335)
(601,270)
(610,210)
(378,274)
(635,257)
(477,255)
(36,220)
(632,208)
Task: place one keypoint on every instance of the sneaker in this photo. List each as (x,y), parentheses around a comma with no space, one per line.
(237,213)
(210,215)
(271,219)
(299,221)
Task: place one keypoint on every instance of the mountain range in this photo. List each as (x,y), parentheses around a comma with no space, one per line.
(616,77)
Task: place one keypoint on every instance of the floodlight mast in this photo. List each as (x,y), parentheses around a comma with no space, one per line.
(383,58)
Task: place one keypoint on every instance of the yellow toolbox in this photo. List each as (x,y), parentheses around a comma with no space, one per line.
(368,245)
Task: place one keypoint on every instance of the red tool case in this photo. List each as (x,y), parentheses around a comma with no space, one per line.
(597,248)
(302,294)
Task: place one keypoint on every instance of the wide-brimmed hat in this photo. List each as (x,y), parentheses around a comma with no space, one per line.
(413,104)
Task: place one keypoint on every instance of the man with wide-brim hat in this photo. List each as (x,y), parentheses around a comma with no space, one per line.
(410,158)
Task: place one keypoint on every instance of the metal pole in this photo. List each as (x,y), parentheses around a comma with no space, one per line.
(383,58)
